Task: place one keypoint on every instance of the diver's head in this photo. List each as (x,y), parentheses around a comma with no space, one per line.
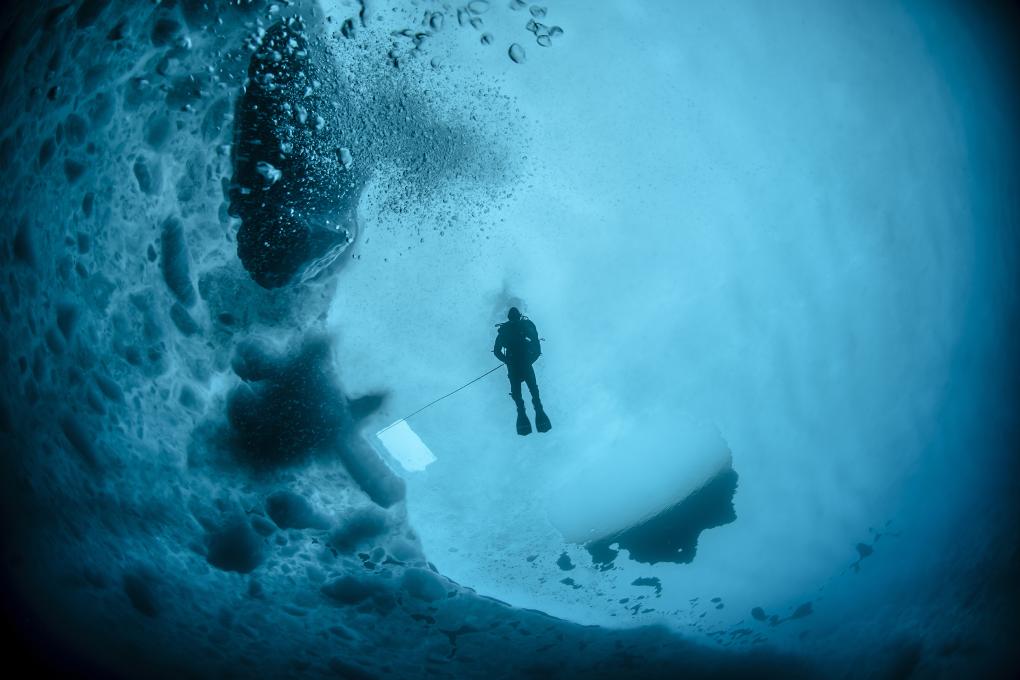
(514,314)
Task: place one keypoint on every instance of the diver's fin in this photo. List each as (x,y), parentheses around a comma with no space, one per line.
(542,423)
(523,424)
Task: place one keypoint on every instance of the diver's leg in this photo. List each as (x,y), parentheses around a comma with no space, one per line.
(515,388)
(523,424)
(542,423)
(529,378)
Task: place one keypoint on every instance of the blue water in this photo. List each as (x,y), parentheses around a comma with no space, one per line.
(771,251)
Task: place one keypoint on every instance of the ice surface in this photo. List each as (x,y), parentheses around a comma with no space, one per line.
(770,248)
(613,493)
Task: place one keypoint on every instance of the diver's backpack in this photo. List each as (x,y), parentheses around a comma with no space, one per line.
(521,340)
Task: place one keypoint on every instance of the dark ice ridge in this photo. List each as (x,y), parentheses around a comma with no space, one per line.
(290,405)
(865,550)
(672,535)
(803,610)
(650,582)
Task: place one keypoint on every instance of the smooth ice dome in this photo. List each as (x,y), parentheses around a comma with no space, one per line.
(610,494)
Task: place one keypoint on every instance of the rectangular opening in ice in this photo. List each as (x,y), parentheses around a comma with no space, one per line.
(406,447)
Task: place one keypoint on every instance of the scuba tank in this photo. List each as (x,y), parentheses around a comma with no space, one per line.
(517,340)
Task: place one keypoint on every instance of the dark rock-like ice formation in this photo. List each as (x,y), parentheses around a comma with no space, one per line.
(290,406)
(293,186)
(672,535)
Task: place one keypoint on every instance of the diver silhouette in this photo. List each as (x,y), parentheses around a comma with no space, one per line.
(517,345)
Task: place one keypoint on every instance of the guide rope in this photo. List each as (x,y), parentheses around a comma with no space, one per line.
(397,422)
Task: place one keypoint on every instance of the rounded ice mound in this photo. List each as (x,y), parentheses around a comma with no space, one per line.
(632,503)
(613,493)
(293,185)
(654,502)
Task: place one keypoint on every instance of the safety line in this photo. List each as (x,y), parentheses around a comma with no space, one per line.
(397,422)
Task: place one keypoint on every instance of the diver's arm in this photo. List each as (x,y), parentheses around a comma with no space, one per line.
(498,350)
(531,332)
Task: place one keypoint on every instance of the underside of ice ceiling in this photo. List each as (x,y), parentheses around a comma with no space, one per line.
(770,251)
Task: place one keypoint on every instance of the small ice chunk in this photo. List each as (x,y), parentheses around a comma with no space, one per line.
(478,6)
(516,53)
(487,38)
(436,21)
(537,11)
(544,40)
(268,171)
(346,159)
